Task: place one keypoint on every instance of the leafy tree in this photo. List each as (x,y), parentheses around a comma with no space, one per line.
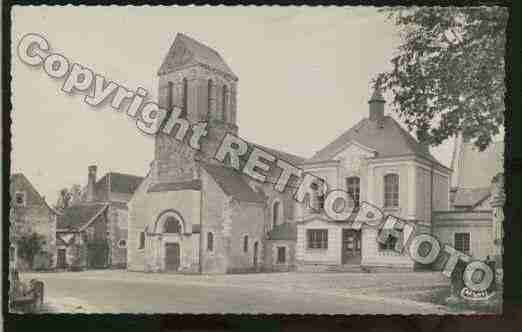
(29,245)
(448,74)
(64,199)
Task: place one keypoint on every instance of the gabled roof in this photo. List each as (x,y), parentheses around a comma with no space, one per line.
(233,183)
(18,181)
(186,51)
(387,138)
(79,216)
(118,183)
(470,197)
(288,157)
(284,231)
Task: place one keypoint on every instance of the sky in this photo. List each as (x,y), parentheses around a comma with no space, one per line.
(304,78)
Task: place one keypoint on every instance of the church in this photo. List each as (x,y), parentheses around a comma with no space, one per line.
(193,214)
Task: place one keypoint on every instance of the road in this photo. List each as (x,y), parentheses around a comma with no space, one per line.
(314,293)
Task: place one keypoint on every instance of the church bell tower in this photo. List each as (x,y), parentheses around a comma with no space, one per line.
(196,79)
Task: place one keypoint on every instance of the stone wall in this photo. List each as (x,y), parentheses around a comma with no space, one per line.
(118,231)
(270,255)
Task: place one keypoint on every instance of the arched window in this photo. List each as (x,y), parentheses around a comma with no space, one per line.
(391,190)
(245,243)
(210,241)
(353,187)
(276,213)
(185,99)
(171,225)
(225,102)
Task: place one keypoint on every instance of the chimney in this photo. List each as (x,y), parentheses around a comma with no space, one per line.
(91,181)
(376,103)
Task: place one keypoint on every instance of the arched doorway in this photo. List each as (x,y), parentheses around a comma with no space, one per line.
(256,249)
(170,226)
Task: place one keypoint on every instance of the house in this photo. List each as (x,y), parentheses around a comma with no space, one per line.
(473,225)
(193,214)
(378,162)
(93,233)
(30,213)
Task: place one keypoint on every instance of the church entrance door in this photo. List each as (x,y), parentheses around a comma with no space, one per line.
(172,256)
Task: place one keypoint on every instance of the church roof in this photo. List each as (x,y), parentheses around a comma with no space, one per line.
(285,156)
(186,51)
(284,231)
(387,138)
(233,183)
(78,216)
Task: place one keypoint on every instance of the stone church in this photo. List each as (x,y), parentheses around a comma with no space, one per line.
(193,214)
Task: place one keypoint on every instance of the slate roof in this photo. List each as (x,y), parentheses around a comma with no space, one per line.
(77,216)
(198,53)
(119,183)
(288,157)
(175,186)
(233,183)
(284,231)
(387,138)
(469,197)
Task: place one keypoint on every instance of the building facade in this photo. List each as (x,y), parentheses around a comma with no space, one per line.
(193,214)
(378,162)
(473,224)
(93,232)
(30,213)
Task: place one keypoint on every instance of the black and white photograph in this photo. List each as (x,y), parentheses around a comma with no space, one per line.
(257,160)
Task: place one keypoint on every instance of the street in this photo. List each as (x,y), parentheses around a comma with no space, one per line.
(118,291)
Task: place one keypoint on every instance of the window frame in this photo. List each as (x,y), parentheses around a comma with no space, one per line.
(141,240)
(245,243)
(278,255)
(391,191)
(169,219)
(357,195)
(276,213)
(465,241)
(210,242)
(24,198)
(319,241)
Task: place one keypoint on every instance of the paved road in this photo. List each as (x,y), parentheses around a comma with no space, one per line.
(131,292)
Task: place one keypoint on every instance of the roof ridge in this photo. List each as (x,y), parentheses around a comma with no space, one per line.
(183,35)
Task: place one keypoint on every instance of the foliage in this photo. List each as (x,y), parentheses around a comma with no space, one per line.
(29,245)
(448,74)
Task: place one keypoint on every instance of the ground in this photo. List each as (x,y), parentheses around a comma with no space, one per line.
(116,291)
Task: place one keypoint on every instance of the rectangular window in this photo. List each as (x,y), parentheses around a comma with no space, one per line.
(20,198)
(141,244)
(462,242)
(317,238)
(391,190)
(281,255)
(353,187)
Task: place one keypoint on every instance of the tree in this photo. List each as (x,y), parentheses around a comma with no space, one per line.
(448,74)
(64,199)
(29,245)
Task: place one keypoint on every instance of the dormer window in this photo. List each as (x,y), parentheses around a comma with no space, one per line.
(20,198)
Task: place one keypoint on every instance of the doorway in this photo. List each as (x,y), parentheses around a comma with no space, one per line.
(61,261)
(172,256)
(351,247)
